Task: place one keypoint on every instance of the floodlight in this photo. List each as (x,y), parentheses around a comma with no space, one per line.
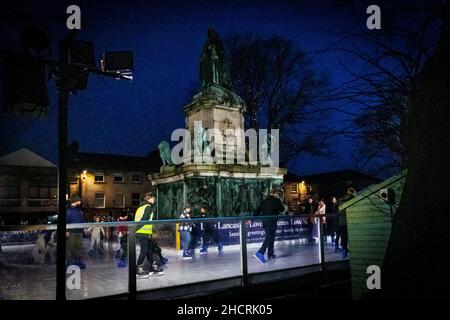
(120,62)
(80,53)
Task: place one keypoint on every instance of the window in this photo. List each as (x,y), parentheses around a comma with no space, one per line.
(294,188)
(118,178)
(135,199)
(9,188)
(42,187)
(135,178)
(99,177)
(99,201)
(73,180)
(119,200)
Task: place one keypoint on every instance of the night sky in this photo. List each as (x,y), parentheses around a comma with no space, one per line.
(132,118)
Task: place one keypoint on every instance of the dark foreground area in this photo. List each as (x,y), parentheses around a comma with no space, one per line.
(328,285)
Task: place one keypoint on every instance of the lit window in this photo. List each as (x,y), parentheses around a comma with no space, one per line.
(99,178)
(294,188)
(99,200)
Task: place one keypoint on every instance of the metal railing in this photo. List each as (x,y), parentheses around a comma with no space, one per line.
(132,226)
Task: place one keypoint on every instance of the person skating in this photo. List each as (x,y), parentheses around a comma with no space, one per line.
(210,233)
(321,214)
(96,236)
(74,236)
(144,234)
(122,234)
(271,206)
(157,253)
(185,232)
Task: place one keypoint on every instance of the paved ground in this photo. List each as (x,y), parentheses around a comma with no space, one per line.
(21,279)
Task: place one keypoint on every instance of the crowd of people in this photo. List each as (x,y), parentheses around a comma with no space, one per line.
(333,221)
(203,234)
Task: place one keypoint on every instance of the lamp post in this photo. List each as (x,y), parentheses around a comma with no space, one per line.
(76,61)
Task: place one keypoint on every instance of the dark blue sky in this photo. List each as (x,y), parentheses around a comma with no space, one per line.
(166,38)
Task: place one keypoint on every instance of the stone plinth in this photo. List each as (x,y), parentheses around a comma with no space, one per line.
(228,190)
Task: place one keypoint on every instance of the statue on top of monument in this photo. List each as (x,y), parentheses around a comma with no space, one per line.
(213,68)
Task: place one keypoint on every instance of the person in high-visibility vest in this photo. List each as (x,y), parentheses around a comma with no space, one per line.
(144,234)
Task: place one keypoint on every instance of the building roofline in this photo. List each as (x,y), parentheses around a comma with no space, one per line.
(330,173)
(370,190)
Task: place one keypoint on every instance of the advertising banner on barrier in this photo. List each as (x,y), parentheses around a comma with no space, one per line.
(288,228)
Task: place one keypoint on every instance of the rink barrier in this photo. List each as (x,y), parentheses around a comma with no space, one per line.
(134,225)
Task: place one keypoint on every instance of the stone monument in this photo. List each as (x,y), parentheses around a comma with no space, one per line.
(228,189)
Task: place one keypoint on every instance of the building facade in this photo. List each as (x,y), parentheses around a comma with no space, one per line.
(107,184)
(323,185)
(110,184)
(28,188)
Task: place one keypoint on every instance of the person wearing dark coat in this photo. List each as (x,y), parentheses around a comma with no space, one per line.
(343,233)
(310,209)
(210,232)
(74,236)
(271,206)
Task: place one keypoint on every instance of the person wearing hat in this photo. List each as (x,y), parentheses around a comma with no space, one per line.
(185,232)
(74,236)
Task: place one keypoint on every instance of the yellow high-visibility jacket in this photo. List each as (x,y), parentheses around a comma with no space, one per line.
(147,228)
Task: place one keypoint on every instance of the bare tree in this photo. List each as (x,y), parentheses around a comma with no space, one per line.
(282,90)
(402,85)
(383,67)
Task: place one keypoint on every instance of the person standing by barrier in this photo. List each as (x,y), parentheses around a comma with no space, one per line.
(74,236)
(96,246)
(333,221)
(185,232)
(145,212)
(210,233)
(343,233)
(309,210)
(271,206)
(122,234)
(196,234)
(321,211)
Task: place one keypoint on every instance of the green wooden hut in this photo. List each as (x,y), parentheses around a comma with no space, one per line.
(369,222)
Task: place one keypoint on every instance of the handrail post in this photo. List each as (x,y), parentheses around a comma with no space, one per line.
(244,262)
(132,288)
(321,245)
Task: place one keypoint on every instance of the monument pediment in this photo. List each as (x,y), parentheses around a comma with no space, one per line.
(215,96)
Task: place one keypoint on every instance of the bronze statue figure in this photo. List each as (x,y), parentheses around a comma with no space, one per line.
(213,68)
